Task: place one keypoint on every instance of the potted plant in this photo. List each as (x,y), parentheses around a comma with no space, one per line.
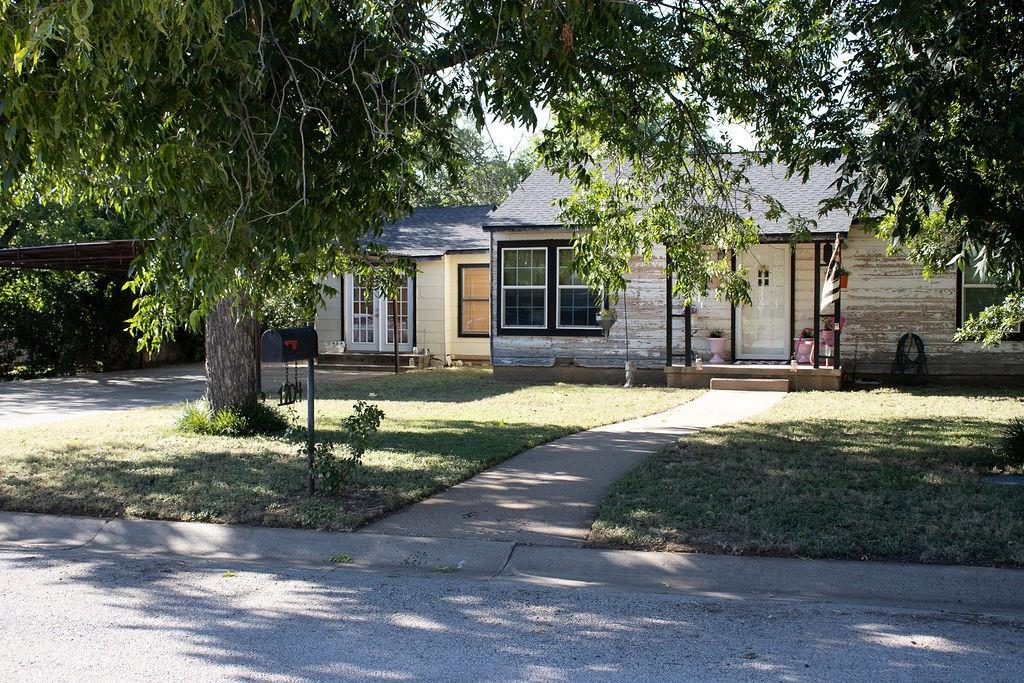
(606,318)
(828,331)
(805,345)
(717,343)
(844,277)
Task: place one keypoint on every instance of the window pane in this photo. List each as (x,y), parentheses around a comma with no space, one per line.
(475,282)
(476,317)
(566,276)
(977,299)
(524,267)
(578,308)
(971,276)
(524,308)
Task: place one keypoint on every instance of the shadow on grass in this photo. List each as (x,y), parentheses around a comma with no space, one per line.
(899,489)
(464,385)
(262,481)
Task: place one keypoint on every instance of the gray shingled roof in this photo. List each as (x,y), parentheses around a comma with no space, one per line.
(438,230)
(532,205)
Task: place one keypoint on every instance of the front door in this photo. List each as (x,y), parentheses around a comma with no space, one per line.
(369,321)
(762,328)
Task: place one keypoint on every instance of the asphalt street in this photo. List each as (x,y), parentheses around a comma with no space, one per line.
(79,615)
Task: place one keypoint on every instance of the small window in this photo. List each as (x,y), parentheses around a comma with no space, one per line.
(763,277)
(474,300)
(524,283)
(976,294)
(577,303)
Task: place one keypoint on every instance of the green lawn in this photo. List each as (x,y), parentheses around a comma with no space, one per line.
(442,426)
(879,475)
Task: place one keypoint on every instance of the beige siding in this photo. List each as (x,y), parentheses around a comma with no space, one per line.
(887,296)
(470,348)
(328,318)
(640,311)
(803,295)
(430,308)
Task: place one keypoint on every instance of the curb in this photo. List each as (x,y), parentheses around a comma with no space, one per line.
(476,559)
(955,588)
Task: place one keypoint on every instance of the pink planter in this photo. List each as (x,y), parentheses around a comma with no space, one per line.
(717,345)
(804,349)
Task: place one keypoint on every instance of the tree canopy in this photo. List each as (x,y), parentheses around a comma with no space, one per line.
(479,174)
(259,141)
(931,135)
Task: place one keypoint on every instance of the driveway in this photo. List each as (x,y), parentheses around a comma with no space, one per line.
(39,401)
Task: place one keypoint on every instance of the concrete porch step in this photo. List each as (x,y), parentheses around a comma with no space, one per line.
(749,384)
(362,367)
(364,358)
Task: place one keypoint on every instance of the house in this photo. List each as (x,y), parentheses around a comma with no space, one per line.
(443,310)
(543,320)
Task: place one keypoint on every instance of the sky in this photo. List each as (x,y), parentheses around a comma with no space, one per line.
(509,139)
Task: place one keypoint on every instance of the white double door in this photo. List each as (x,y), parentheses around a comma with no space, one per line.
(762,328)
(369,322)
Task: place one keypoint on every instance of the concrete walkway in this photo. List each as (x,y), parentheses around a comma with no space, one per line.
(549,495)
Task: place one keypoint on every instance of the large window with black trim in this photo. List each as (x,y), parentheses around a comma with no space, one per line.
(540,292)
(975,293)
(474,300)
(524,286)
(577,304)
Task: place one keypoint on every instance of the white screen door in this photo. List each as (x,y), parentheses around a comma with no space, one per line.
(369,319)
(762,328)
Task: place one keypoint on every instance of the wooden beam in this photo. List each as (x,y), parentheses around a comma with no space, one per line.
(688,331)
(668,314)
(732,316)
(839,308)
(792,299)
(817,303)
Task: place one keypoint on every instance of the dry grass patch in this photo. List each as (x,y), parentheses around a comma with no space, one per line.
(441,427)
(881,475)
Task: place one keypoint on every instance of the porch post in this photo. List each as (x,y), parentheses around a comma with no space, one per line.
(817,301)
(668,315)
(792,300)
(687,331)
(732,316)
(838,316)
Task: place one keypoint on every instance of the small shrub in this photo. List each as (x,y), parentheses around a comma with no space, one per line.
(247,420)
(264,419)
(1011,444)
(194,419)
(333,463)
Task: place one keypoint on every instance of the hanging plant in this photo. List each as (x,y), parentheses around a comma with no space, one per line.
(606,318)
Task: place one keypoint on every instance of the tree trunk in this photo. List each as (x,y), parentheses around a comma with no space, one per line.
(230,358)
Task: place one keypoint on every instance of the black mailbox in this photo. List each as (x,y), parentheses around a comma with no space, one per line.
(288,344)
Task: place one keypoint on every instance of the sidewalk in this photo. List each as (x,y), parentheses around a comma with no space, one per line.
(961,589)
(550,494)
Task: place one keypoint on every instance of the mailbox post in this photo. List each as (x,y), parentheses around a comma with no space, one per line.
(292,344)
